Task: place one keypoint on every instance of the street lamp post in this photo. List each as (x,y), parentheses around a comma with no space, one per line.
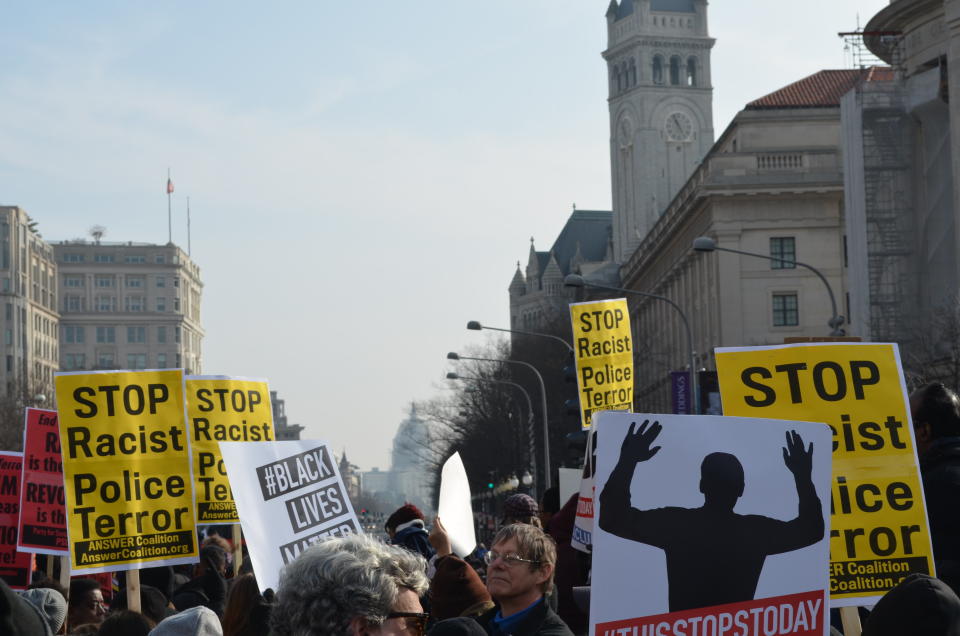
(530,429)
(543,396)
(575,280)
(474,325)
(707,244)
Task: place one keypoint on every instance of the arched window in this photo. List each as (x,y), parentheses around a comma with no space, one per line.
(632,73)
(657,69)
(692,71)
(675,70)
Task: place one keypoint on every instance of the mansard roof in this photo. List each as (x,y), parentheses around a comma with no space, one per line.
(591,229)
(820,90)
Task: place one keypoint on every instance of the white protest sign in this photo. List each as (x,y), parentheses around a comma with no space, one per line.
(710,525)
(454,509)
(289,495)
(569,483)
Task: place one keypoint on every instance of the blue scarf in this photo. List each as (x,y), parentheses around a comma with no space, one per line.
(507,624)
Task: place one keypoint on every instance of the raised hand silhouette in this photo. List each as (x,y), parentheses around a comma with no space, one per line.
(798,460)
(636,445)
(714,555)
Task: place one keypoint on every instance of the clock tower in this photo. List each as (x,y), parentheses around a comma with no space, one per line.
(661,108)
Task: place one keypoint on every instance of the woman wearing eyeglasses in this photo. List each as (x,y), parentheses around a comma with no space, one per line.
(351,586)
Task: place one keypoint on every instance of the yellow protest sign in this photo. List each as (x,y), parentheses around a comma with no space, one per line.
(603,349)
(879,532)
(223,409)
(126,469)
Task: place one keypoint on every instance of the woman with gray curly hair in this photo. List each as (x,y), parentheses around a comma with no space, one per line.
(351,586)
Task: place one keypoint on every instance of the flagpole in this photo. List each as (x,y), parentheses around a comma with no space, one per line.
(188,226)
(169,212)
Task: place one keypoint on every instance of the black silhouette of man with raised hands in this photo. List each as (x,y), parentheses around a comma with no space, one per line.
(714,555)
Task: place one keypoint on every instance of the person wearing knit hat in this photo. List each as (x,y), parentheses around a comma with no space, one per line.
(20,616)
(919,605)
(521,508)
(406,529)
(456,589)
(196,621)
(50,603)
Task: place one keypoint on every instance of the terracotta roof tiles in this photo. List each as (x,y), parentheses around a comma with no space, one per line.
(820,90)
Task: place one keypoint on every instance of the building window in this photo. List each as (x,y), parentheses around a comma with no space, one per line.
(105,360)
(161,281)
(136,335)
(73,334)
(134,281)
(176,304)
(136,361)
(8,337)
(106,335)
(72,258)
(161,361)
(103,258)
(160,259)
(632,73)
(73,303)
(136,258)
(162,335)
(161,304)
(657,69)
(104,281)
(691,71)
(106,303)
(785,312)
(784,247)
(73,281)
(176,337)
(133,303)
(176,281)
(74,361)
(675,70)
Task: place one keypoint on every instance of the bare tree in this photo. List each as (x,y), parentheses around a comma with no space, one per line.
(18,396)
(932,353)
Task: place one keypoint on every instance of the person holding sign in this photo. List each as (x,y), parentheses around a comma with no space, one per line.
(714,555)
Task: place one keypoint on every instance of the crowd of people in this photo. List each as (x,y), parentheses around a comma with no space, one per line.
(529,582)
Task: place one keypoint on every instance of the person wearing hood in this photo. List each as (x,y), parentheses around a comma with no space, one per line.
(919,605)
(406,529)
(936,425)
(196,621)
(20,616)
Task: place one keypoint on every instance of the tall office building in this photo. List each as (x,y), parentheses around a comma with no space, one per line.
(128,306)
(28,284)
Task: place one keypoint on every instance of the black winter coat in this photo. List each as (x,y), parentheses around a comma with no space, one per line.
(541,621)
(940,471)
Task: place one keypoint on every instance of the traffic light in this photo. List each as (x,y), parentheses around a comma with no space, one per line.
(490,484)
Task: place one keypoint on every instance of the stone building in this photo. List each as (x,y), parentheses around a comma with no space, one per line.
(772,184)
(128,306)
(661,108)
(282,430)
(538,299)
(902,167)
(409,478)
(28,284)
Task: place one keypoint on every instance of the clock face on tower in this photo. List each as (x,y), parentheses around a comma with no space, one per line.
(678,127)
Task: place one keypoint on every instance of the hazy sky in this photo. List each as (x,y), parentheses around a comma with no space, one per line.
(363,176)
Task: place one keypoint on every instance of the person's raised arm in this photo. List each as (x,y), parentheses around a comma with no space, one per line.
(807,528)
(617,516)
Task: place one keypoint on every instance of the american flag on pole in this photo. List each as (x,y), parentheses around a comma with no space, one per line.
(169,186)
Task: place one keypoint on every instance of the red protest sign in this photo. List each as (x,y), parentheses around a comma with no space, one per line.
(14,566)
(43,518)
